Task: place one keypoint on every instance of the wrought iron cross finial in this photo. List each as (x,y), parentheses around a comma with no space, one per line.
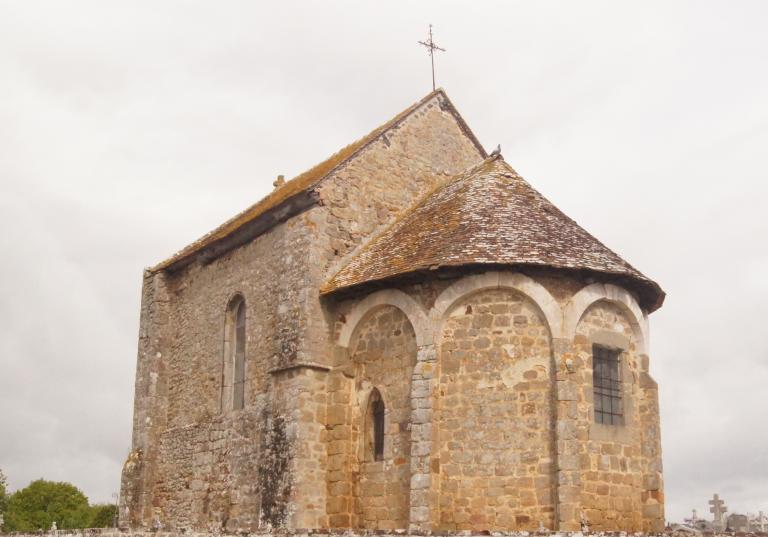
(430,44)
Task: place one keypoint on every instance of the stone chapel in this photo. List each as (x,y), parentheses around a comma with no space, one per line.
(406,336)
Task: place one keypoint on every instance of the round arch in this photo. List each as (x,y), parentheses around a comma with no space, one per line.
(233,297)
(614,294)
(501,280)
(387,297)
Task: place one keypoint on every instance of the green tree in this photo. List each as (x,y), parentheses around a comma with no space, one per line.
(103,515)
(43,502)
(3,493)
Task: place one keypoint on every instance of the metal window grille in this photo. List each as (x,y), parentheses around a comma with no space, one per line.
(378,430)
(606,381)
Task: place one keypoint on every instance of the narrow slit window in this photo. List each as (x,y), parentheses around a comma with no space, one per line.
(606,382)
(378,430)
(374,427)
(238,395)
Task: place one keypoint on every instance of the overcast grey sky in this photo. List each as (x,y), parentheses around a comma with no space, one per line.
(129,129)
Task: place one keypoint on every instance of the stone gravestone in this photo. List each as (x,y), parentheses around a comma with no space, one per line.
(757,524)
(718,509)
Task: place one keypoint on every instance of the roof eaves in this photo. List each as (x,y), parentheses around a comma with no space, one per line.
(353,273)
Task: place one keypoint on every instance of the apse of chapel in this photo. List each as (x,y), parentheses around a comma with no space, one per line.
(495,337)
(561,300)
(494,413)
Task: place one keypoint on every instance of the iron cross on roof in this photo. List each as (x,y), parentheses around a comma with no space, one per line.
(430,44)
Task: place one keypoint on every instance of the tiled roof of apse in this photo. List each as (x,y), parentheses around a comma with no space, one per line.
(307,180)
(487,215)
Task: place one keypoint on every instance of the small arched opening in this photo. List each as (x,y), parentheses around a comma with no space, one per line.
(374,427)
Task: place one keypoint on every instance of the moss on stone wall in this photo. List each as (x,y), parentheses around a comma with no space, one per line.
(273,470)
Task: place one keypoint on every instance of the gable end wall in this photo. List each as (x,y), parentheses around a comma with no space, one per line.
(195,464)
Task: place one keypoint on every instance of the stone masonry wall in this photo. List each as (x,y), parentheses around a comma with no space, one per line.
(612,465)
(363,492)
(391,174)
(471,405)
(202,466)
(384,354)
(269,273)
(369,192)
(278,274)
(149,413)
(296,446)
(357,201)
(494,416)
(488,419)
(111,532)
(206,470)
(615,462)
(502,424)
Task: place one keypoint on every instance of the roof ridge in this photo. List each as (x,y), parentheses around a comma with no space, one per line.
(310,178)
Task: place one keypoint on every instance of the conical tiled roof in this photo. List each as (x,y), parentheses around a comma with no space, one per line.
(488,215)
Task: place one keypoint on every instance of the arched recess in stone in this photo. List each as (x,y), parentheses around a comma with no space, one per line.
(605,324)
(354,499)
(382,351)
(387,297)
(584,298)
(374,426)
(526,285)
(493,412)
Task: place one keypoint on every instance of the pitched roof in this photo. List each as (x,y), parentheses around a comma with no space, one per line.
(487,215)
(307,180)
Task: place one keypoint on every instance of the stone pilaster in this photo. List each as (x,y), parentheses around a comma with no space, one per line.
(300,403)
(423,485)
(342,462)
(570,436)
(650,438)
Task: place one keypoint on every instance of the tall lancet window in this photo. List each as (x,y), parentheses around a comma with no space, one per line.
(233,361)
(238,395)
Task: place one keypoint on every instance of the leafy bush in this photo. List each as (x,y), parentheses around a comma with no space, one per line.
(3,493)
(38,505)
(103,515)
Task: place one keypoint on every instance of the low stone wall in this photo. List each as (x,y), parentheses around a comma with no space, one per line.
(111,532)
